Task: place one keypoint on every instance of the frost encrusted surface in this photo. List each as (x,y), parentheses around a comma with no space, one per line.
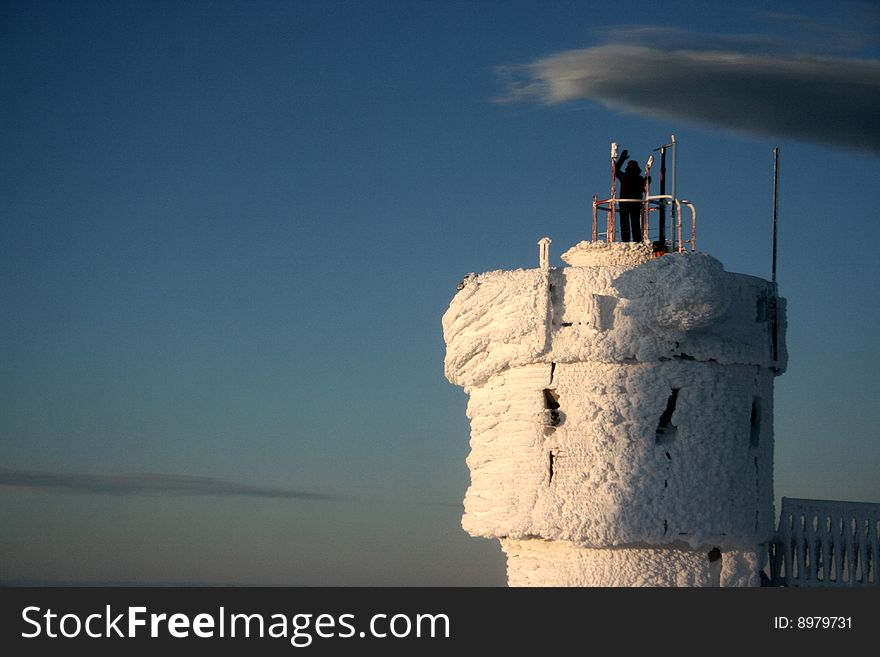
(628,403)
(592,254)
(598,472)
(560,563)
(680,305)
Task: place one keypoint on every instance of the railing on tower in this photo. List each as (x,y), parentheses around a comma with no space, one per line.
(652,232)
(826,543)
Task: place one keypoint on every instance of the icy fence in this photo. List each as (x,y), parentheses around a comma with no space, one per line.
(826,543)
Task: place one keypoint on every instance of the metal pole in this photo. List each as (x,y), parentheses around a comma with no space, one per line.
(594,234)
(662,209)
(674,155)
(662,202)
(609,236)
(775,207)
(679,248)
(647,206)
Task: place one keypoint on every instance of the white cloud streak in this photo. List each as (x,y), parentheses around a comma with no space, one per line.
(828,100)
(146,484)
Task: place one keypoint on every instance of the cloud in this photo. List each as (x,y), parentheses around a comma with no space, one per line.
(146,484)
(828,100)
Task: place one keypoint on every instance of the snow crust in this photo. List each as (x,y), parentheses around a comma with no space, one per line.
(680,305)
(560,563)
(601,477)
(592,254)
(618,405)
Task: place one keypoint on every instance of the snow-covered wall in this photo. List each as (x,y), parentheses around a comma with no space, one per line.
(597,470)
(625,402)
(561,563)
(681,305)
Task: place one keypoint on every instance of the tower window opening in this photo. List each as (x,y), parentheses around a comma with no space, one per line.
(552,462)
(551,405)
(665,429)
(762,313)
(755,424)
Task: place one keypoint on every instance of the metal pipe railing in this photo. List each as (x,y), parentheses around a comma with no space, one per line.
(652,203)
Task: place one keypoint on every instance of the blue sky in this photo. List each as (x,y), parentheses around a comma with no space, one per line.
(230,229)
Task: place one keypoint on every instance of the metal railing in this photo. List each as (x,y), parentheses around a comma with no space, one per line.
(656,203)
(826,543)
(649,204)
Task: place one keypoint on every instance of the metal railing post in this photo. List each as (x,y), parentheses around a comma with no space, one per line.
(647,207)
(609,236)
(678,225)
(595,217)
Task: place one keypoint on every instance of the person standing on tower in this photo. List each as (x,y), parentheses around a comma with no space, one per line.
(632,186)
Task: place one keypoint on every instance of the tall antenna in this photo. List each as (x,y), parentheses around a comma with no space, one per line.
(674,156)
(775,206)
(661,206)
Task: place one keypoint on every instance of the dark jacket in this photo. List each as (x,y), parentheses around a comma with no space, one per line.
(632,182)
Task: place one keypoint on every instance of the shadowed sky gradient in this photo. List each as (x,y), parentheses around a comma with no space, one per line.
(144,484)
(228,231)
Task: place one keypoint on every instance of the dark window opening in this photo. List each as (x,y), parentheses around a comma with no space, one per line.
(755,424)
(762,313)
(665,429)
(552,461)
(714,554)
(551,404)
(551,399)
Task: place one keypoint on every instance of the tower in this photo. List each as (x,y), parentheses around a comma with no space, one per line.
(621,414)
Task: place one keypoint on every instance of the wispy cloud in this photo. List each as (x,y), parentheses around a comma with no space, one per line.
(734,82)
(146,484)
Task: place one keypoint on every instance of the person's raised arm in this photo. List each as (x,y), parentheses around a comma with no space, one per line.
(618,166)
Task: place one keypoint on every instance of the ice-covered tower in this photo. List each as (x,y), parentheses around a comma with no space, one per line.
(621,416)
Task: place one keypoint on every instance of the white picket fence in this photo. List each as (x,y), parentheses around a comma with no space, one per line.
(826,543)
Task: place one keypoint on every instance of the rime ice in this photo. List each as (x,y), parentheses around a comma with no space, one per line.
(621,417)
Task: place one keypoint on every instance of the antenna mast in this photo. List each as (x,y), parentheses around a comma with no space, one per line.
(775,207)
(661,239)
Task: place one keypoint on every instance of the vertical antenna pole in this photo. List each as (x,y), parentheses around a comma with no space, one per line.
(775,207)
(674,155)
(662,206)
(774,326)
